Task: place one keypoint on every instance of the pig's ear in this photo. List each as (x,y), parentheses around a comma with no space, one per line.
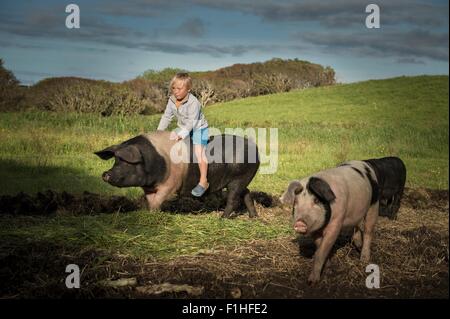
(321,189)
(293,189)
(130,154)
(107,153)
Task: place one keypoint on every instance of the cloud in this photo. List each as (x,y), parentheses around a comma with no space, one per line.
(181,48)
(417,44)
(332,32)
(343,13)
(328,13)
(193,27)
(410,61)
(49,25)
(139,8)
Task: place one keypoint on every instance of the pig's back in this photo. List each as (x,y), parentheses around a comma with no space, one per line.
(357,182)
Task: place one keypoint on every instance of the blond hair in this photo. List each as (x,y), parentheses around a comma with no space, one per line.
(181,77)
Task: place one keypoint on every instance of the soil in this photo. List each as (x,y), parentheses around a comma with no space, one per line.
(412,254)
(51,202)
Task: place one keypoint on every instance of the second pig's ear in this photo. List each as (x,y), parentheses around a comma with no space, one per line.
(321,189)
(294,188)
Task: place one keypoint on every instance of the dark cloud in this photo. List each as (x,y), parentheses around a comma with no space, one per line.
(50,25)
(329,13)
(409,61)
(139,8)
(336,16)
(342,13)
(180,48)
(375,42)
(192,27)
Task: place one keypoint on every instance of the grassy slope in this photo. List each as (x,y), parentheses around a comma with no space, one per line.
(317,128)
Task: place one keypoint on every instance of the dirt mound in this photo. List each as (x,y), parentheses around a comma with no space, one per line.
(50,202)
(420,198)
(214,202)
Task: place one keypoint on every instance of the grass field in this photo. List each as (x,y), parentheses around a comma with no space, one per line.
(317,128)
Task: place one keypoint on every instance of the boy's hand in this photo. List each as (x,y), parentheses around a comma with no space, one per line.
(174,136)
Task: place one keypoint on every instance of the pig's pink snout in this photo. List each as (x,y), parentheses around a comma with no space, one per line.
(300,227)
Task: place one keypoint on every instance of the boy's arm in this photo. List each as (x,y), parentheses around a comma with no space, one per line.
(192,117)
(166,118)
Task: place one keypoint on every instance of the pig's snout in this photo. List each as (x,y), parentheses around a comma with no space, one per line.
(106,176)
(300,227)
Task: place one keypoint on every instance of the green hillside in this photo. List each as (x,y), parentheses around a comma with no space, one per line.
(321,127)
(317,128)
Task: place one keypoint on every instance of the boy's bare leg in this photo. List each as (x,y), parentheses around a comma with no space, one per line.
(202,164)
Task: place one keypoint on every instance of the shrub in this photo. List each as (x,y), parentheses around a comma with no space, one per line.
(148,93)
(163,76)
(85,96)
(10,91)
(242,80)
(153,96)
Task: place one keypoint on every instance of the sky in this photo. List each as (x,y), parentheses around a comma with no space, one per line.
(119,40)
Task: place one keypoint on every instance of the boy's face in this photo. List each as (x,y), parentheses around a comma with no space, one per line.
(180,90)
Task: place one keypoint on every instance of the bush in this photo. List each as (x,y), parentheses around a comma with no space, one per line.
(10,91)
(153,97)
(85,96)
(163,76)
(243,80)
(270,83)
(96,98)
(147,94)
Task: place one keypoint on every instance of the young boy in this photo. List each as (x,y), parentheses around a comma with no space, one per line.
(191,121)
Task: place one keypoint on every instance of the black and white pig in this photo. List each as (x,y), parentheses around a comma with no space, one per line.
(148,161)
(391,176)
(330,200)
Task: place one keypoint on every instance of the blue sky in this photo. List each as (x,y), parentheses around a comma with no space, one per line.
(119,40)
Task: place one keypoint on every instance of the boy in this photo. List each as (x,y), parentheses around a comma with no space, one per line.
(191,121)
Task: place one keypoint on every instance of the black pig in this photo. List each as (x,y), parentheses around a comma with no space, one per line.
(158,165)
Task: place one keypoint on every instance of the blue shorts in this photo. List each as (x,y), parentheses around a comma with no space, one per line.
(199,136)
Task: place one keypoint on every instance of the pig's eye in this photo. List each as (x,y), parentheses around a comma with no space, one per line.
(316,201)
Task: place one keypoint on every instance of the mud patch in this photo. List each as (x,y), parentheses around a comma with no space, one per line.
(425,198)
(50,202)
(412,253)
(413,264)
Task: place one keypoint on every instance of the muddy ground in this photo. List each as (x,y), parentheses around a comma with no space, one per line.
(412,253)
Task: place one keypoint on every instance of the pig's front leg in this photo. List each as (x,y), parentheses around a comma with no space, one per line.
(153,201)
(155,197)
(330,234)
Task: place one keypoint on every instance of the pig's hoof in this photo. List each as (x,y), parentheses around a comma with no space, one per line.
(357,243)
(313,279)
(225,215)
(365,258)
(254,215)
